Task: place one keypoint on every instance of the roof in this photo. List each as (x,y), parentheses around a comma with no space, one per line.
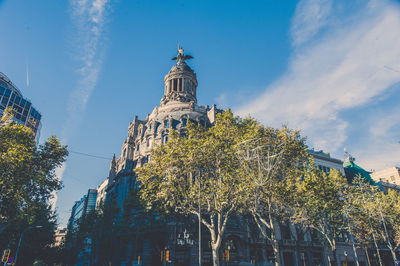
(352,170)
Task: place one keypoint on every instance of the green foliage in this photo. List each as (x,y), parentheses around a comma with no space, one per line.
(205,158)
(273,161)
(374,215)
(96,231)
(27,182)
(321,203)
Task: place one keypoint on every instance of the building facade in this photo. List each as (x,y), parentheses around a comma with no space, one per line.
(246,245)
(25,113)
(387,178)
(81,207)
(324,162)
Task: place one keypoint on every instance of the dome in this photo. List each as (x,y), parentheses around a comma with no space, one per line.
(181,68)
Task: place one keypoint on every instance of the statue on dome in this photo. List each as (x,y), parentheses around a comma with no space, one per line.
(181,57)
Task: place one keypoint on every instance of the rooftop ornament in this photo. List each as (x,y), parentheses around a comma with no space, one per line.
(181,57)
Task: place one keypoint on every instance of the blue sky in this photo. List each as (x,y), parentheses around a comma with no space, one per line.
(329,68)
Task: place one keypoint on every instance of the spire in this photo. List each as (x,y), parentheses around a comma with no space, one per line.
(113,170)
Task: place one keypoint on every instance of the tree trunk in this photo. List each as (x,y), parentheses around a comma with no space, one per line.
(215,255)
(393,254)
(366,253)
(275,247)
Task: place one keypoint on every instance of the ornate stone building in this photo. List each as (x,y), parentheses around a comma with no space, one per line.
(178,105)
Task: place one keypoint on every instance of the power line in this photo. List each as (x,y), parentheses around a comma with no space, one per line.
(89,155)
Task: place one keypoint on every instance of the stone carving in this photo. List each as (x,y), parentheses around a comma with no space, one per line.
(181,57)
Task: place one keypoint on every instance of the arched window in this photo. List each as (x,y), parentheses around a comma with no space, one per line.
(184,122)
(166,123)
(137,147)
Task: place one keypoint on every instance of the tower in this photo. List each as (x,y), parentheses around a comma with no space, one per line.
(180,83)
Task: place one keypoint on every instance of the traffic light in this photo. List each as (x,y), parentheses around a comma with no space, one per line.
(6,254)
(227,255)
(167,255)
(162,255)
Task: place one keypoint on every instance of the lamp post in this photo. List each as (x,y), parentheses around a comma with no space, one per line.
(200,218)
(20,239)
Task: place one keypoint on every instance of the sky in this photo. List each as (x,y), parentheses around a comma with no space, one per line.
(328,68)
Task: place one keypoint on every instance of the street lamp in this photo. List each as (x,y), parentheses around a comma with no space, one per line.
(20,239)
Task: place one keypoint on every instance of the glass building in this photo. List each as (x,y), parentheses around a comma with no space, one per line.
(25,113)
(82,207)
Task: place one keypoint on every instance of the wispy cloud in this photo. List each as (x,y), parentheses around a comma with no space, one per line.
(309,18)
(89,19)
(340,61)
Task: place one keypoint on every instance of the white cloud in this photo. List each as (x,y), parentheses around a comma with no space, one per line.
(309,18)
(88,17)
(350,64)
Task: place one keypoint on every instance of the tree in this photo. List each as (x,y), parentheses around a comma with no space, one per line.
(27,182)
(364,218)
(375,216)
(388,206)
(320,205)
(273,161)
(204,159)
(95,232)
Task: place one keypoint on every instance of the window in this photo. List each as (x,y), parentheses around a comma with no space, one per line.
(166,139)
(166,123)
(137,147)
(124,152)
(148,142)
(285,231)
(184,122)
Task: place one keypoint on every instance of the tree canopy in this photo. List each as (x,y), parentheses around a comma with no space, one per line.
(27,183)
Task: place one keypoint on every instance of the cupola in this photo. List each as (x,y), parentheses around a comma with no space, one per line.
(180,82)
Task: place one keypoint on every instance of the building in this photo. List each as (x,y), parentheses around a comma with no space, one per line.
(352,170)
(59,236)
(324,162)
(177,107)
(387,178)
(101,192)
(81,207)
(25,113)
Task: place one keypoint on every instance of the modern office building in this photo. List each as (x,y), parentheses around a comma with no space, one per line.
(25,113)
(81,207)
